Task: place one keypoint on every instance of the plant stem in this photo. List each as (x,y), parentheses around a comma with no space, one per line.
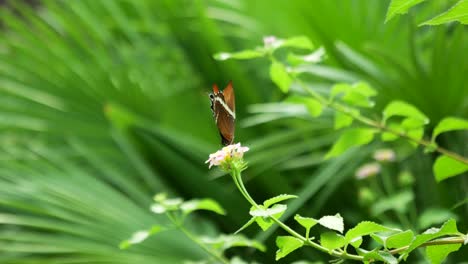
(380,126)
(236,175)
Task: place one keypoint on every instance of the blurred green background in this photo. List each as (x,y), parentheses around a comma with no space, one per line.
(104,103)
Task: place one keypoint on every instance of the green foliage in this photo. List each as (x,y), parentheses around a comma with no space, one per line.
(449,124)
(459,12)
(286,245)
(400,7)
(351,138)
(445,167)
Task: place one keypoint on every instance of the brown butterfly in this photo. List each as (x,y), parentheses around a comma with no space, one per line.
(224,112)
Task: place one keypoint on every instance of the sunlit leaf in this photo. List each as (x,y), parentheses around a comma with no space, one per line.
(351,138)
(306,222)
(437,254)
(459,12)
(448,228)
(280,76)
(334,222)
(277,199)
(331,240)
(202,204)
(400,7)
(449,124)
(365,228)
(446,167)
(286,245)
(139,237)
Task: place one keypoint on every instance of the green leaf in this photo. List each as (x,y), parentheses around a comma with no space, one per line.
(286,245)
(334,222)
(300,42)
(446,167)
(351,138)
(459,12)
(449,124)
(436,254)
(139,237)
(339,89)
(365,228)
(400,7)
(400,108)
(203,204)
(306,222)
(277,199)
(386,136)
(342,120)
(356,243)
(332,240)
(264,212)
(251,221)
(398,202)
(240,55)
(448,228)
(280,76)
(357,95)
(434,216)
(400,239)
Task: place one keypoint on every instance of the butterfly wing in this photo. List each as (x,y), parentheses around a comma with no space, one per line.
(222,105)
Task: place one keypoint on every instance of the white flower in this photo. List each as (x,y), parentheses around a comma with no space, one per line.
(367,170)
(227,154)
(385,155)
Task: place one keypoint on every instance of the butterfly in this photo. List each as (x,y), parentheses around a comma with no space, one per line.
(224,112)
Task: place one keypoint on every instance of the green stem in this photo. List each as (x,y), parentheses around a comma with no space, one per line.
(367,121)
(236,175)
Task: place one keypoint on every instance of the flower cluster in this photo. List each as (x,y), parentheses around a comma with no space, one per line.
(227,155)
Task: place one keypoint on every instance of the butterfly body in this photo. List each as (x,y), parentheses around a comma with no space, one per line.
(224,112)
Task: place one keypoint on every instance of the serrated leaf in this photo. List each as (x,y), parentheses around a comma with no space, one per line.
(448,228)
(280,76)
(332,240)
(351,138)
(300,42)
(306,222)
(446,167)
(400,239)
(251,221)
(398,7)
(365,228)
(240,55)
(286,245)
(139,237)
(398,202)
(202,204)
(449,124)
(264,223)
(334,222)
(434,216)
(436,254)
(342,120)
(277,199)
(459,12)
